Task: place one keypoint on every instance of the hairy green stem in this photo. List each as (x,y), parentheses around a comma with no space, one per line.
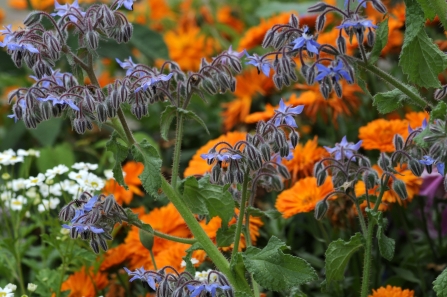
(153,259)
(174,238)
(415,98)
(237,234)
(201,236)
(367,260)
(177,150)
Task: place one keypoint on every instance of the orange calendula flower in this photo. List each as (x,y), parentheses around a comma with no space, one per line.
(404,174)
(2,15)
(114,257)
(198,166)
(228,16)
(188,46)
(303,196)
(390,291)
(315,103)
(265,115)
(253,37)
(131,171)
(236,111)
(304,158)
(85,283)
(415,119)
(379,134)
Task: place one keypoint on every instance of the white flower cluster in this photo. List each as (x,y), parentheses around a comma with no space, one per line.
(47,189)
(203,276)
(10,157)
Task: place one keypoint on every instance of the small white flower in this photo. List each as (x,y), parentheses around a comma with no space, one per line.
(11,286)
(6,176)
(22,153)
(84,166)
(33,153)
(194,261)
(58,170)
(4,159)
(32,193)
(65,231)
(17,203)
(41,207)
(76,176)
(91,182)
(35,181)
(32,287)
(47,190)
(18,184)
(108,173)
(6,292)
(54,203)
(6,195)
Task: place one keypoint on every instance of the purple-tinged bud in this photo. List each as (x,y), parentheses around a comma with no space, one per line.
(277,183)
(46,110)
(283,171)
(384,162)
(294,138)
(265,152)
(239,176)
(360,35)
(109,16)
(235,64)
(294,21)
(33,18)
(215,172)
(67,213)
(103,242)
(398,142)
(92,39)
(341,44)
(378,5)
(400,189)
(224,81)
(292,75)
(57,110)
(370,179)
(114,100)
(17,58)
(89,100)
(321,209)
(41,68)
(311,73)
(304,70)
(80,125)
(284,151)
(85,235)
(30,121)
(209,86)
(416,167)
(440,93)
(277,80)
(89,124)
(325,89)
(320,22)
(30,99)
(127,32)
(52,41)
(74,233)
(364,162)
(286,80)
(370,38)
(268,38)
(139,110)
(436,150)
(95,215)
(316,8)
(94,244)
(17,110)
(338,89)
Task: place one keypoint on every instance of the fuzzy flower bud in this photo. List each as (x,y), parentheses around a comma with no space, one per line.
(400,188)
(321,209)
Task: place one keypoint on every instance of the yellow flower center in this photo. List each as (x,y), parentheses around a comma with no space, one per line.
(2,294)
(17,202)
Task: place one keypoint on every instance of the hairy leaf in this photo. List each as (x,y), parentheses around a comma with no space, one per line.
(440,284)
(432,8)
(288,271)
(386,244)
(225,235)
(337,257)
(167,116)
(120,153)
(381,41)
(189,266)
(150,177)
(389,101)
(191,115)
(439,112)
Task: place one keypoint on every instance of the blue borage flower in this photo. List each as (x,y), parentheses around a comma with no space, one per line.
(8,33)
(361,24)
(260,63)
(231,52)
(151,81)
(59,100)
(8,41)
(285,114)
(72,9)
(144,275)
(225,157)
(22,104)
(336,73)
(306,39)
(429,161)
(80,227)
(424,125)
(211,288)
(128,4)
(344,148)
(130,66)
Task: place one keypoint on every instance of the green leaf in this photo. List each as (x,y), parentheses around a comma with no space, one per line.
(389,101)
(189,266)
(386,244)
(132,219)
(204,198)
(47,132)
(273,7)
(120,153)
(150,177)
(440,284)
(338,254)
(275,270)
(167,116)
(191,115)
(420,59)
(432,8)
(439,112)
(149,42)
(380,43)
(360,81)
(225,235)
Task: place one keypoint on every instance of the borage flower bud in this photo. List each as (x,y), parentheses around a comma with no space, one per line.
(268,38)
(101,111)
(321,209)
(436,150)
(440,93)
(92,39)
(320,22)
(146,239)
(33,18)
(294,21)
(277,183)
(41,68)
(127,30)
(370,178)
(400,189)
(416,167)
(398,142)
(109,16)
(80,125)
(378,5)
(283,171)
(46,110)
(30,121)
(337,88)
(67,213)
(384,162)
(239,176)
(277,80)
(215,172)
(370,38)
(341,44)
(139,110)
(316,8)
(325,89)
(321,177)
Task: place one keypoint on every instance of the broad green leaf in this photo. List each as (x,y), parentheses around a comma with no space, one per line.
(121,51)
(275,270)
(389,101)
(381,41)
(420,59)
(419,139)
(386,244)
(337,257)
(47,132)
(439,112)
(440,284)
(167,116)
(432,8)
(225,235)
(189,266)
(120,153)
(204,198)
(149,42)
(360,81)
(191,115)
(150,177)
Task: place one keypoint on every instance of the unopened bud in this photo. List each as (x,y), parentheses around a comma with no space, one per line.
(319,7)
(283,171)
(416,167)
(341,44)
(146,239)
(311,73)
(378,5)
(33,18)
(338,89)
(370,38)
(384,162)
(400,189)
(440,93)
(80,125)
(268,38)
(321,209)
(370,179)
(320,22)
(321,177)
(398,142)
(92,39)
(294,21)
(277,80)
(294,138)
(325,89)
